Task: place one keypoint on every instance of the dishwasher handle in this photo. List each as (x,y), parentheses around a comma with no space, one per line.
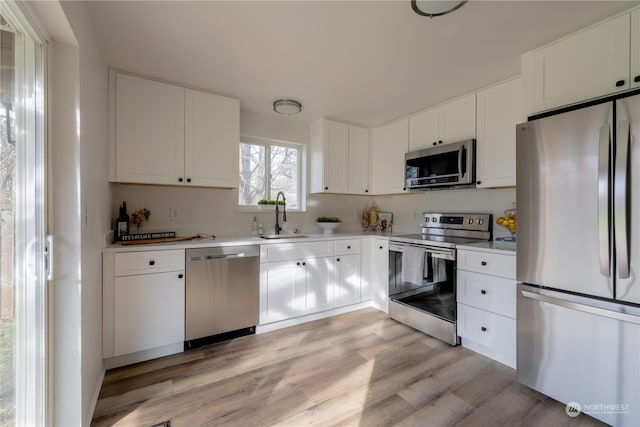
(222,252)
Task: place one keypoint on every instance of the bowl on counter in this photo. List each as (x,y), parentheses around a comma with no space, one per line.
(328,227)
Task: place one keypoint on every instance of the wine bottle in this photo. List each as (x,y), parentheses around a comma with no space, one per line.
(122,223)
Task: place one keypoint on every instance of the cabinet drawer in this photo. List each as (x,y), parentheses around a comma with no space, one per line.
(488,329)
(346,247)
(487,263)
(293,251)
(130,263)
(491,293)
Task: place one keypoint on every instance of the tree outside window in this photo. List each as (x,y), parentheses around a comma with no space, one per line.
(266,169)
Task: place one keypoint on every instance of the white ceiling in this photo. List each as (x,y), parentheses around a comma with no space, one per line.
(363,62)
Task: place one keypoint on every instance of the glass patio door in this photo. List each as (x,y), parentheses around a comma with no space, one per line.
(22,223)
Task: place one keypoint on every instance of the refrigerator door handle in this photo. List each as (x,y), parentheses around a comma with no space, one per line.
(584,308)
(603,200)
(620,194)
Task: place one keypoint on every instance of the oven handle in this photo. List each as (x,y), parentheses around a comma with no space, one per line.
(434,252)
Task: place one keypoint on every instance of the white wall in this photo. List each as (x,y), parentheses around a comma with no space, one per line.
(79,202)
(214,211)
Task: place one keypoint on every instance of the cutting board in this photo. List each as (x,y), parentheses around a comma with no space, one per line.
(162,240)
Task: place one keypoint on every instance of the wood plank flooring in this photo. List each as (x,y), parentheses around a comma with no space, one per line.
(358,369)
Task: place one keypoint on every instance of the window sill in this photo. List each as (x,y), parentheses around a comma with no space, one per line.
(264,208)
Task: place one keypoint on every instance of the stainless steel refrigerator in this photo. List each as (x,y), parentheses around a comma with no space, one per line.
(578,313)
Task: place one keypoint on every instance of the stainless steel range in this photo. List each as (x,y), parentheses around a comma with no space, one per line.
(422,271)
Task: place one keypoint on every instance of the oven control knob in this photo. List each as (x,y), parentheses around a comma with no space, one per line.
(434,219)
(480,221)
(470,221)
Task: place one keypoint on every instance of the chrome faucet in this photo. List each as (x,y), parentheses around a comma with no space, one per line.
(284,211)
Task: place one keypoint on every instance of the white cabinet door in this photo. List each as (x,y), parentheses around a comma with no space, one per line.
(390,144)
(500,108)
(282,290)
(589,64)
(149,131)
(318,294)
(635,49)
(424,129)
(212,136)
(375,272)
(347,280)
(358,160)
(148,311)
(458,120)
(336,157)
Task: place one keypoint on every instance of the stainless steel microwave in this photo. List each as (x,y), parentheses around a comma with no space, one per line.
(442,166)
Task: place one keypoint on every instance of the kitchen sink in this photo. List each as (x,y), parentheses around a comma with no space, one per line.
(283,236)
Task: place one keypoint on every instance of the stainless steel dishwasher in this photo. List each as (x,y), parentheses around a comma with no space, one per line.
(222,293)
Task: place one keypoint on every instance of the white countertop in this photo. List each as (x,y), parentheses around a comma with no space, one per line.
(233,241)
(506,248)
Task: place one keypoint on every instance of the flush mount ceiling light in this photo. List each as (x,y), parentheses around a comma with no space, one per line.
(433,8)
(287,106)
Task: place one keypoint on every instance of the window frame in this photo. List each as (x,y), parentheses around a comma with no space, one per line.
(301,172)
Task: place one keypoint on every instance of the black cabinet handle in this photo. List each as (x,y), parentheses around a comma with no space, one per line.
(188,179)
(179,179)
(348,247)
(620,83)
(483,292)
(180,276)
(404,188)
(483,329)
(483,263)
(366,191)
(304,263)
(435,143)
(439,142)
(297,263)
(478,182)
(326,188)
(338,259)
(636,79)
(152,262)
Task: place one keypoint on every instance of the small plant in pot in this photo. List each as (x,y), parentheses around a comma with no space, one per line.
(328,224)
(264,204)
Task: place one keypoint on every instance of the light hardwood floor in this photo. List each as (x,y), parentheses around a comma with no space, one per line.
(357,369)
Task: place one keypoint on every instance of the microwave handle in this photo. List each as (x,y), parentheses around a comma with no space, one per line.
(461,153)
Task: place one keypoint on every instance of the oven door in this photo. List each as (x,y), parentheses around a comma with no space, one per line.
(429,304)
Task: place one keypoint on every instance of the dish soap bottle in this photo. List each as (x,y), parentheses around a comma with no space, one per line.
(122,223)
(254,227)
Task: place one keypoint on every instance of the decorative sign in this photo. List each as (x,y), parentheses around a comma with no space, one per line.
(149,236)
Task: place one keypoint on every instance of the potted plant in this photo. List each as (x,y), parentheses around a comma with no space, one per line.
(328,224)
(269,205)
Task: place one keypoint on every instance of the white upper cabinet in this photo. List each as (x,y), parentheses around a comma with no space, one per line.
(166,134)
(390,144)
(339,158)
(149,131)
(450,122)
(500,108)
(635,49)
(212,137)
(591,63)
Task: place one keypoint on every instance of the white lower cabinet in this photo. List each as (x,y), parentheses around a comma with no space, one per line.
(375,272)
(309,278)
(486,297)
(143,305)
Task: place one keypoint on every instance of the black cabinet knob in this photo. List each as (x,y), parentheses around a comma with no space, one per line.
(636,79)
(297,263)
(483,263)
(435,143)
(366,191)
(478,182)
(404,188)
(326,188)
(152,262)
(483,292)
(380,247)
(180,276)
(188,179)
(439,142)
(179,179)
(338,259)
(304,263)
(620,83)
(483,329)
(348,247)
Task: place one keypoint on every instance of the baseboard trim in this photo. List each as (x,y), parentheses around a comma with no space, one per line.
(94,399)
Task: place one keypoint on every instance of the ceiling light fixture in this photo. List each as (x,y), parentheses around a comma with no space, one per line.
(287,106)
(433,8)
